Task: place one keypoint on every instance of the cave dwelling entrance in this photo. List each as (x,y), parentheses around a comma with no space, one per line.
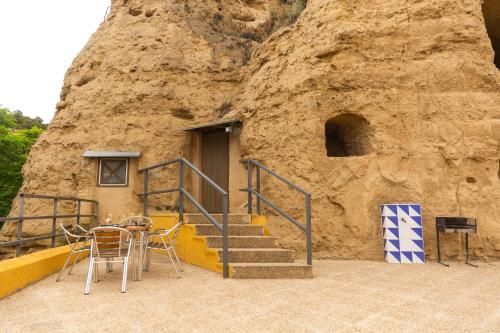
(214,148)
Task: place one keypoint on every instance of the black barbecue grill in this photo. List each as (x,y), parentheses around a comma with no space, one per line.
(461,225)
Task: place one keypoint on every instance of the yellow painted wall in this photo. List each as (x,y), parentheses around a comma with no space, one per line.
(119,201)
(262,221)
(20,272)
(190,247)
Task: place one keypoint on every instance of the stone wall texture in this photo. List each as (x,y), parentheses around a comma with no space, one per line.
(419,74)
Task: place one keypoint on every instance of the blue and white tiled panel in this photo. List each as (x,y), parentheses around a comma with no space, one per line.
(403,233)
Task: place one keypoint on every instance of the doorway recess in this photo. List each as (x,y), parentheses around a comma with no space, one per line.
(491,13)
(348,135)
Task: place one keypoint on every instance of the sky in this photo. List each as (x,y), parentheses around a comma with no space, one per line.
(38,41)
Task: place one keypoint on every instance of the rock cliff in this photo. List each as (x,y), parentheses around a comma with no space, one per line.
(361,102)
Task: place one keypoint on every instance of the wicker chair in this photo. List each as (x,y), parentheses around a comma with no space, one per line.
(109,244)
(76,236)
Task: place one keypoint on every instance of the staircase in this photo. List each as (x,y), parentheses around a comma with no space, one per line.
(250,252)
(253,254)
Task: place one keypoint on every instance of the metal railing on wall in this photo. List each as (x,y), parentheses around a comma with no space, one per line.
(306,228)
(183,164)
(54,217)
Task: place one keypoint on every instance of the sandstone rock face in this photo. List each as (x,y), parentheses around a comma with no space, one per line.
(151,67)
(403,95)
(422,74)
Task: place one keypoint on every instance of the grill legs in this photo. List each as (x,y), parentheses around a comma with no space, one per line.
(439,248)
(467,250)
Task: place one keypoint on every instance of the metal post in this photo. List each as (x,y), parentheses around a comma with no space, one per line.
(20,224)
(181,191)
(466,247)
(225,237)
(308,229)
(249,187)
(258,189)
(438,243)
(78,208)
(439,246)
(96,213)
(145,197)
(54,220)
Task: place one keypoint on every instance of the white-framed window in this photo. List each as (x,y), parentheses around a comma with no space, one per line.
(113,172)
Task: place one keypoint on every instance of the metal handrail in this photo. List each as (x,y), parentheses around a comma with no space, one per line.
(284,180)
(53,235)
(301,226)
(260,197)
(223,228)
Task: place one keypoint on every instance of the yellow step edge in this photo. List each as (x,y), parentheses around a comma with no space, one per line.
(262,221)
(191,248)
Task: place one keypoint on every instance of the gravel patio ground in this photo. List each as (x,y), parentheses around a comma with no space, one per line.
(344,296)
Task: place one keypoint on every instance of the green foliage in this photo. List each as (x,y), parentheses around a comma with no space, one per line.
(16,139)
(6,118)
(24,122)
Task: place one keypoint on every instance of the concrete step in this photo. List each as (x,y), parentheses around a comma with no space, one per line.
(272,255)
(234,230)
(243,241)
(271,271)
(231,218)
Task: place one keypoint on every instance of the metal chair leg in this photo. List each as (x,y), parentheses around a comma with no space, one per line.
(74,263)
(177,258)
(147,259)
(134,254)
(124,277)
(167,247)
(96,271)
(64,267)
(89,276)
(173,264)
(109,265)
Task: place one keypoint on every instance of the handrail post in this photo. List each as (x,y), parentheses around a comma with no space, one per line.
(145,197)
(78,208)
(308,229)
(54,220)
(96,213)
(258,188)
(20,224)
(181,191)
(249,187)
(225,237)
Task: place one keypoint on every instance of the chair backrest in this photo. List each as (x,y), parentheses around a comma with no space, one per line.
(176,230)
(137,220)
(110,241)
(73,232)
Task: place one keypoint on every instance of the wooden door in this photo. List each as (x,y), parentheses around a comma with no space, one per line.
(215,164)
